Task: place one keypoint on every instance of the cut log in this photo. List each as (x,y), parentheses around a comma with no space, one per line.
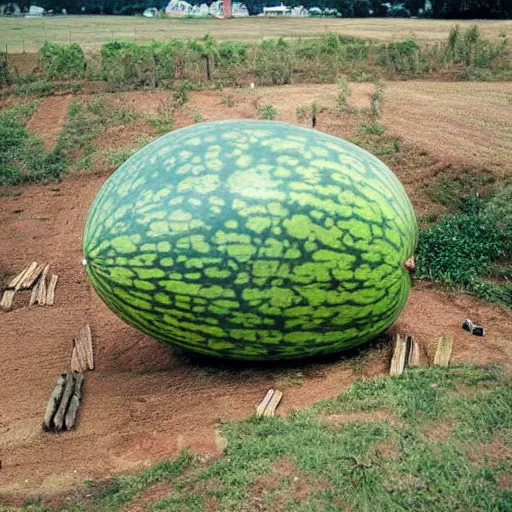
(26,275)
(50,294)
(15,280)
(58,419)
(444,351)
(34,294)
(398,360)
(7,299)
(29,281)
(41,290)
(74,404)
(53,403)
(272,405)
(263,404)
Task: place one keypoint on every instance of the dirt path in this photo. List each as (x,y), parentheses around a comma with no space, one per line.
(48,120)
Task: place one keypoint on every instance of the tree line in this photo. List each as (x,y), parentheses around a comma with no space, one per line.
(451,9)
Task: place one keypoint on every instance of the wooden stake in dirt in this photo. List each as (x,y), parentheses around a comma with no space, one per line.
(34,294)
(50,294)
(444,351)
(74,404)
(82,357)
(7,299)
(58,419)
(272,405)
(399,356)
(261,408)
(14,282)
(415,355)
(41,290)
(53,403)
(29,271)
(29,281)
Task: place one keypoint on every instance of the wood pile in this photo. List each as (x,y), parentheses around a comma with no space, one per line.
(268,405)
(62,408)
(407,353)
(33,278)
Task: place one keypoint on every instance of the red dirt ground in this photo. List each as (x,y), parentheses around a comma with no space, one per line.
(143,402)
(48,120)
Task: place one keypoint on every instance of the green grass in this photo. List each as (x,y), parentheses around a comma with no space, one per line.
(417,442)
(23,158)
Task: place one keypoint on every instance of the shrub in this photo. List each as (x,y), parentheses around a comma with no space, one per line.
(274,62)
(62,61)
(267,112)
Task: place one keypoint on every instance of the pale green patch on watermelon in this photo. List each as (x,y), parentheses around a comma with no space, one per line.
(252,240)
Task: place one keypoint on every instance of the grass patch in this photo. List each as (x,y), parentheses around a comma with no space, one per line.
(465,250)
(22,156)
(373,448)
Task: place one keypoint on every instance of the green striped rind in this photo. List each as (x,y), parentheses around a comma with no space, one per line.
(252,240)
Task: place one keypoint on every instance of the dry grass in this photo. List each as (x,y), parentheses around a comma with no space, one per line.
(467,122)
(91,31)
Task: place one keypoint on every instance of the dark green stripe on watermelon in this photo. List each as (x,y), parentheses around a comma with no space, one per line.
(252,240)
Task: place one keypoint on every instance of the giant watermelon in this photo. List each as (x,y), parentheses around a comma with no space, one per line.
(252,240)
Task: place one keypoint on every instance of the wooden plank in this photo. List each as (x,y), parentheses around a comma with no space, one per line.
(272,405)
(7,299)
(29,281)
(34,294)
(41,290)
(53,403)
(85,337)
(398,360)
(15,280)
(263,404)
(415,357)
(81,355)
(75,363)
(26,275)
(50,294)
(74,404)
(58,419)
(443,351)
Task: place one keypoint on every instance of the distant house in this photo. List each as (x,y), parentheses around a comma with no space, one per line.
(35,12)
(279,9)
(150,12)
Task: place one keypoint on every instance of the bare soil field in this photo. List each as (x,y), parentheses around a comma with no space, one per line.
(28,35)
(144,402)
(465,123)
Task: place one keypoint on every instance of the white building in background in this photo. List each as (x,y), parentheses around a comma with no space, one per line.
(178,8)
(299,11)
(150,12)
(279,10)
(35,12)
(239,10)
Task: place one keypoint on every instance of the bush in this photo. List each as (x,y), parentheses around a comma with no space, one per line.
(62,61)
(267,112)
(274,62)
